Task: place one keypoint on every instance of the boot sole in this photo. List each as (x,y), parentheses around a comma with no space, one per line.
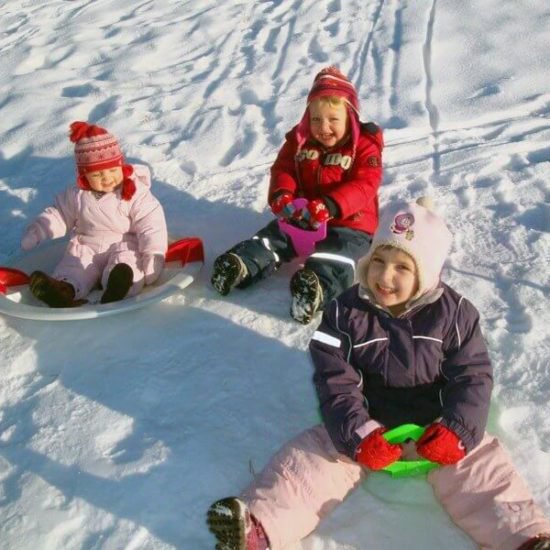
(226,274)
(305,297)
(228,524)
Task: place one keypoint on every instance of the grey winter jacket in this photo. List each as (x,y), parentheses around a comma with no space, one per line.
(431,362)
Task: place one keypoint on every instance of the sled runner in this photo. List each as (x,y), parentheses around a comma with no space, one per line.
(184,259)
(303,239)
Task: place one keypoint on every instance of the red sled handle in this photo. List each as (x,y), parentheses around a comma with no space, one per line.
(10,276)
(189,249)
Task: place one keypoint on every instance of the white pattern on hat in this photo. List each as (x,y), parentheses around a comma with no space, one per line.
(95,148)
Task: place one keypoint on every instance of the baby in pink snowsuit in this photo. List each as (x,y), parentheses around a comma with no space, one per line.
(401,346)
(117,227)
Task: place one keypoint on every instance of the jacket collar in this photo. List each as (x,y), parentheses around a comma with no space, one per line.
(427,298)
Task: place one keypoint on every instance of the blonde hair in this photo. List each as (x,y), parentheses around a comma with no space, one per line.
(332,100)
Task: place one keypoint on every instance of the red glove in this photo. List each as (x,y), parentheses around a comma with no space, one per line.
(375,452)
(316,213)
(282,205)
(440,444)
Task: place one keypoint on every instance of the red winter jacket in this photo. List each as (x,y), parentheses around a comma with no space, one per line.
(350,180)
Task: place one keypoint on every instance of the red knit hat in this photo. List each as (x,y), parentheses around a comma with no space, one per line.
(331,82)
(96,149)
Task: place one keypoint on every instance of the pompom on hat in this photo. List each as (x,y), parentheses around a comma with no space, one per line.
(97,149)
(417,230)
(331,82)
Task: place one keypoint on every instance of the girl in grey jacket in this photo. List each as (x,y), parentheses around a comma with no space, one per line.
(399,347)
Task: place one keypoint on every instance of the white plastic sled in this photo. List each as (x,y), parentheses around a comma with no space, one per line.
(184,260)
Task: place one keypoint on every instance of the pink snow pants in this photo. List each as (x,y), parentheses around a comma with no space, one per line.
(88,261)
(308,477)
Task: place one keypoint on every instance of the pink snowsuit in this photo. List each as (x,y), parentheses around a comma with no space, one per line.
(363,359)
(483,493)
(106,231)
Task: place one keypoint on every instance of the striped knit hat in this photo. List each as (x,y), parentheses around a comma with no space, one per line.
(96,149)
(331,82)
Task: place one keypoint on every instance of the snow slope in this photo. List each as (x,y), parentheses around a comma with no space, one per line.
(119,432)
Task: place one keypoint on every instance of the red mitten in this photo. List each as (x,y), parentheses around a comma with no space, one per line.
(440,444)
(375,452)
(316,212)
(282,205)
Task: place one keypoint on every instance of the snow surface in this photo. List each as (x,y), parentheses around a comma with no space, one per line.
(119,432)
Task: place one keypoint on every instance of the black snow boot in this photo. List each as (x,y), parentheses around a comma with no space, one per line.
(229,271)
(234,526)
(53,292)
(119,282)
(307,295)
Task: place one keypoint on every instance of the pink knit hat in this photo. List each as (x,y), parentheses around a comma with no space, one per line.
(95,148)
(331,82)
(418,231)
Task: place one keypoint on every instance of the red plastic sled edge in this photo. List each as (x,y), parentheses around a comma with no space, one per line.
(189,249)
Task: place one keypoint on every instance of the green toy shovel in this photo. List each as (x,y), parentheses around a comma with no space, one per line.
(405,468)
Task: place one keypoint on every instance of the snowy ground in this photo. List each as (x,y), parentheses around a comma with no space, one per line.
(118,432)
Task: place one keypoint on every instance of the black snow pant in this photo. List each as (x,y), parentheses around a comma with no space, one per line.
(334,259)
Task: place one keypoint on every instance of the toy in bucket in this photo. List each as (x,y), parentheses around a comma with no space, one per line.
(303,239)
(404,468)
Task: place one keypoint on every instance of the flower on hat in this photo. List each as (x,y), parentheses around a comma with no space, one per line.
(417,230)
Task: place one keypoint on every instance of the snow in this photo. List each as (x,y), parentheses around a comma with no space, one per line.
(119,432)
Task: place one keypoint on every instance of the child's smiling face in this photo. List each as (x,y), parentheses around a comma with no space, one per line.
(328,122)
(106,180)
(392,277)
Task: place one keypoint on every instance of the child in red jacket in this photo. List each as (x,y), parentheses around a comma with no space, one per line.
(334,161)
